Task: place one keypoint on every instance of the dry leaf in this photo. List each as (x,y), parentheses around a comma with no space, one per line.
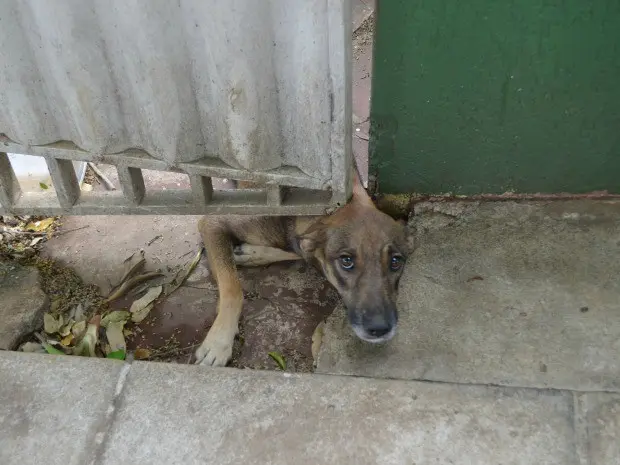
(55,305)
(78,314)
(33,347)
(78,329)
(114,333)
(182,276)
(140,315)
(49,348)
(132,265)
(35,241)
(317,339)
(86,347)
(142,354)
(66,341)
(117,316)
(66,329)
(141,307)
(51,323)
(130,283)
(139,290)
(154,239)
(40,225)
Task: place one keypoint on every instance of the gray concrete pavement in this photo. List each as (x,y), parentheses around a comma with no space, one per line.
(70,410)
(599,418)
(519,294)
(523,295)
(22,303)
(53,408)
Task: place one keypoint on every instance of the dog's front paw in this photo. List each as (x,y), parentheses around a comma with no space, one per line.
(216,350)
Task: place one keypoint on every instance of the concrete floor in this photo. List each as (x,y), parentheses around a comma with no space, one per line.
(152,413)
(523,295)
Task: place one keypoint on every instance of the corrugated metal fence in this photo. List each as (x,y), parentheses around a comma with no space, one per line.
(255,90)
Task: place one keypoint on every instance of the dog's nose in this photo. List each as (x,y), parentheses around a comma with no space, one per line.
(378,328)
(373,325)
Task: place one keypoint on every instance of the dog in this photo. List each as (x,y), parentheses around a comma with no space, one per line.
(359,249)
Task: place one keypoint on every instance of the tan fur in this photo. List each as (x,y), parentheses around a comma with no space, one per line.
(357,229)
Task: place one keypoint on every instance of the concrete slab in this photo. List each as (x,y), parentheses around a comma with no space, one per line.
(522,294)
(600,415)
(175,414)
(53,407)
(22,303)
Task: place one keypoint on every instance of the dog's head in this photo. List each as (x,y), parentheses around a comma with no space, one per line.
(362,252)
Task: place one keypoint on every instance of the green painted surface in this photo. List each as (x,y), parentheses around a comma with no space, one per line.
(496,96)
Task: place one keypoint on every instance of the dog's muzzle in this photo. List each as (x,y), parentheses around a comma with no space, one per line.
(374,327)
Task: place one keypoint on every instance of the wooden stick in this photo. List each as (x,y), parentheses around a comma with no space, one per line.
(109,185)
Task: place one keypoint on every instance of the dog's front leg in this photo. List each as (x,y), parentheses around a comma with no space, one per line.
(216,350)
(260,255)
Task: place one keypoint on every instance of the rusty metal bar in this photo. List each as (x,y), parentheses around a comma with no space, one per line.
(9,186)
(132,182)
(64,180)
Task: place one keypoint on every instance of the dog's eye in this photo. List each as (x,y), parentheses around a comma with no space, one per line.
(346,262)
(396,263)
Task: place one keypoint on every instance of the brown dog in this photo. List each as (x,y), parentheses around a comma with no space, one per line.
(360,250)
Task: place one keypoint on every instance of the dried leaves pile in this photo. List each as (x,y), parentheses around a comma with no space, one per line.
(79,321)
(90,329)
(22,236)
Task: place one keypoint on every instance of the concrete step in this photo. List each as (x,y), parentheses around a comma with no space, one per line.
(71,410)
(514,294)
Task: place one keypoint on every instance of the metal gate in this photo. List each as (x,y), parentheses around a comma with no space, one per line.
(253,90)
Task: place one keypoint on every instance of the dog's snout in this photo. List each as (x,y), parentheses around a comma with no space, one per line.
(378,327)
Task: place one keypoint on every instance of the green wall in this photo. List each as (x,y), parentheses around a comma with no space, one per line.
(496,96)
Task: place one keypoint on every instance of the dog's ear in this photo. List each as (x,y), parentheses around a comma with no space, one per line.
(359,193)
(313,238)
